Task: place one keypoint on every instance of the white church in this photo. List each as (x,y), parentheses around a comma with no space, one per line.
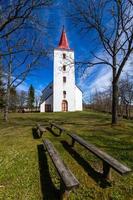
(62,94)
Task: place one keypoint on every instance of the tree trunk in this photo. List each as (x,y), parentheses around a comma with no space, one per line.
(114,102)
(6,110)
(130,110)
(127,111)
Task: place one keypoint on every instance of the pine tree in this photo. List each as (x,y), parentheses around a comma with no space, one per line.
(31,97)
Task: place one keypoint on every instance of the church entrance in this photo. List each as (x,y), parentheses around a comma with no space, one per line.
(48,108)
(64,106)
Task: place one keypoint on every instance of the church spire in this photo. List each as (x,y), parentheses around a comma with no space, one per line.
(63,44)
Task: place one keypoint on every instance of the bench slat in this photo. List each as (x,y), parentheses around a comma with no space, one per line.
(41,128)
(120,168)
(66,175)
(57,126)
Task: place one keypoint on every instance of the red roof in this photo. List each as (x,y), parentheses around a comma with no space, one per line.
(63,44)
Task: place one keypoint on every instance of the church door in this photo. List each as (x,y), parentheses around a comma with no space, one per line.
(64,106)
(48,108)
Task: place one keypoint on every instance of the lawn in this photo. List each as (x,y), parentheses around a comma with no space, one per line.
(27,173)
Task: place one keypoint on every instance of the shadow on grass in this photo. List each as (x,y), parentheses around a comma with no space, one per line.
(51,131)
(108,124)
(97,176)
(35,134)
(49,192)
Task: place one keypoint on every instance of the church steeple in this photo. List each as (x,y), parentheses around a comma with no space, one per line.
(63,44)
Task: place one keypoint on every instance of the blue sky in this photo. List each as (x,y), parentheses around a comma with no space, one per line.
(97,78)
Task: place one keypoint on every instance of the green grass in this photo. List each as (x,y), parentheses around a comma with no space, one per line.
(27,173)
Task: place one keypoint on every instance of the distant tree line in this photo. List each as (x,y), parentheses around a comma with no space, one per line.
(102,101)
(20,101)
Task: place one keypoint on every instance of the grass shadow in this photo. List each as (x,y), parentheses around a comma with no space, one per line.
(49,191)
(97,176)
(51,131)
(35,134)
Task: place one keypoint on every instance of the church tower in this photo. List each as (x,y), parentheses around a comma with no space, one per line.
(64,76)
(62,94)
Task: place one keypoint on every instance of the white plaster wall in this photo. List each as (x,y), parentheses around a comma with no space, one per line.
(59,86)
(48,101)
(42,107)
(78,99)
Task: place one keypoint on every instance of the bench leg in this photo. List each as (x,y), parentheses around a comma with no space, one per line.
(106,171)
(60,131)
(38,132)
(41,134)
(64,193)
(73,142)
(45,149)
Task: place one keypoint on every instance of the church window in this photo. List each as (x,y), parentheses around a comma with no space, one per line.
(64,79)
(64,68)
(64,56)
(64,94)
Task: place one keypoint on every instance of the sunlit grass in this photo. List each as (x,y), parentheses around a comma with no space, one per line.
(27,173)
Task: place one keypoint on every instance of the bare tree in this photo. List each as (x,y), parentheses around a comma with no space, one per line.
(20,14)
(18,66)
(2,90)
(37,102)
(112,22)
(21,46)
(126,95)
(22,99)
(101,101)
(13,101)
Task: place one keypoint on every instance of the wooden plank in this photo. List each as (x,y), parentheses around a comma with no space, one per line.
(57,126)
(41,128)
(120,168)
(66,175)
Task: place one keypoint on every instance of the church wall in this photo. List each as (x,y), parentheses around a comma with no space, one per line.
(49,101)
(42,107)
(59,86)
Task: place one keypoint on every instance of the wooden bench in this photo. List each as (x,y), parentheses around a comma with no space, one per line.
(40,130)
(108,161)
(57,126)
(68,180)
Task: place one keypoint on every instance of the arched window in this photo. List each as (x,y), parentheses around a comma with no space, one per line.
(64,94)
(64,106)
